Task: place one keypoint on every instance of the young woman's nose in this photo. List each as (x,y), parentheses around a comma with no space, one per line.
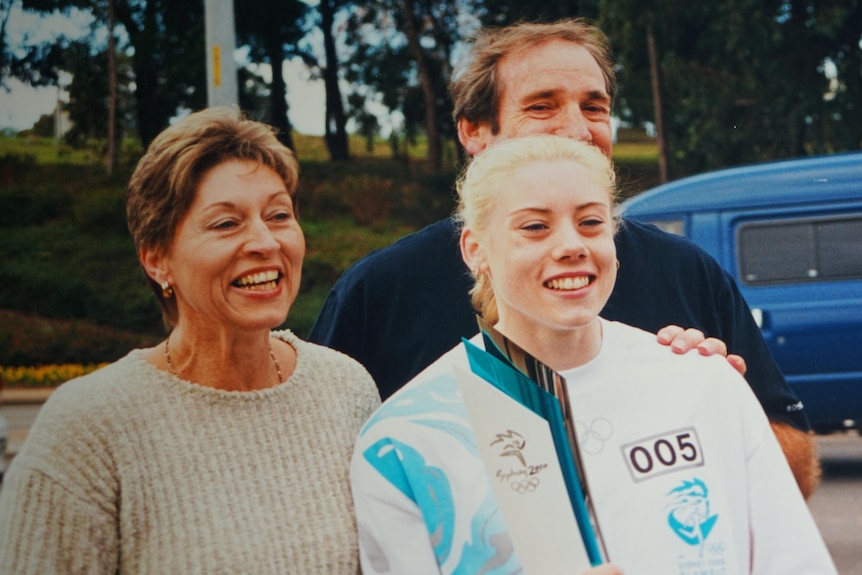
(569,243)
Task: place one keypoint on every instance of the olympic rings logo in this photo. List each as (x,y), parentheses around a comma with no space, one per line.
(593,436)
(525,485)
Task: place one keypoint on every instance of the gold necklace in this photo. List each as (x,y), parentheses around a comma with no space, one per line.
(173,371)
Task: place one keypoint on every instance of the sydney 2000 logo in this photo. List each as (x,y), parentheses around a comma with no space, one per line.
(516,470)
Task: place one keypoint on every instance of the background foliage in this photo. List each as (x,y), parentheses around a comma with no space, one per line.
(739,81)
(742,80)
(71,290)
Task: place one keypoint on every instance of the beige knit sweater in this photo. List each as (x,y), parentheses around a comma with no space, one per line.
(131,470)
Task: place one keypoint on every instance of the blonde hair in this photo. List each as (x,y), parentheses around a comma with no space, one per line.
(475,87)
(493,168)
(164,183)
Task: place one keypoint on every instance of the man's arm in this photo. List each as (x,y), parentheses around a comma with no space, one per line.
(800,451)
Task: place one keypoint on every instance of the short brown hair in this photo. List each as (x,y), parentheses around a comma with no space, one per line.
(164,183)
(475,87)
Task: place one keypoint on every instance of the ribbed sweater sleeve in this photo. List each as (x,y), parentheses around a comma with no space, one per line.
(131,470)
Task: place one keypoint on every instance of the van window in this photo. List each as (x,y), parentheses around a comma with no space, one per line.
(801,250)
(676,227)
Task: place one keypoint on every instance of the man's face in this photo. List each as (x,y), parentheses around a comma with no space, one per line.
(553,88)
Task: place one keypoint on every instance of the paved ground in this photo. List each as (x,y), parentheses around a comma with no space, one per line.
(26,395)
(14,396)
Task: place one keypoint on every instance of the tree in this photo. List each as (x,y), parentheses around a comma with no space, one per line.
(167,41)
(166,45)
(111,154)
(377,65)
(504,12)
(742,80)
(426,81)
(368,126)
(90,94)
(271,29)
(254,93)
(335,130)
(658,113)
(403,48)
(839,23)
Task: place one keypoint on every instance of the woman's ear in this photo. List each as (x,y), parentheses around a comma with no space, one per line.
(154,263)
(472,253)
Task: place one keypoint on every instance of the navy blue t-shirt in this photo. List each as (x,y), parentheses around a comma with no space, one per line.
(401,307)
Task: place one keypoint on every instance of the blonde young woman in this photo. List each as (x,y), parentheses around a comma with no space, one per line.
(537,234)
(225,448)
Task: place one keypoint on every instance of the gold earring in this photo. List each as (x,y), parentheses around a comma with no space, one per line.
(167,290)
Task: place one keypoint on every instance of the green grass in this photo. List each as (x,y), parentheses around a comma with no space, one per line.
(635,152)
(46,151)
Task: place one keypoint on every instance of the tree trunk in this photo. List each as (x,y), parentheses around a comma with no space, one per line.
(336,120)
(429,94)
(111,156)
(656,99)
(278,91)
(147,97)
(6,10)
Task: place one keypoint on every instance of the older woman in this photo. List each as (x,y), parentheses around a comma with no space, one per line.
(225,448)
(685,474)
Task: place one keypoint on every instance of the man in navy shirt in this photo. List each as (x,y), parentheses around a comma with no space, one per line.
(400,308)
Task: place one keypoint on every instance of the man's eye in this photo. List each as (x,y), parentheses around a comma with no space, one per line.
(596,109)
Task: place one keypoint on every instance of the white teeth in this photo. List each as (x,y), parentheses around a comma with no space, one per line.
(261,287)
(569,283)
(261,280)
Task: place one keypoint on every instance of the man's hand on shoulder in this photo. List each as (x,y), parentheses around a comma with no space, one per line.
(684,340)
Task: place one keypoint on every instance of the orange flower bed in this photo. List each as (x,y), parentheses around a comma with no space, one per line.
(44,375)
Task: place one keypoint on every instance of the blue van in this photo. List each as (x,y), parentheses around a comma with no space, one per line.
(790,233)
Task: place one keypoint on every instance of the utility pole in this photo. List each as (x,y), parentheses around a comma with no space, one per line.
(222,89)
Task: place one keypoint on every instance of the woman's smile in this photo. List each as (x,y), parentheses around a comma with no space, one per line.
(569,283)
(258,281)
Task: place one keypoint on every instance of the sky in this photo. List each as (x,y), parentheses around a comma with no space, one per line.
(22,105)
